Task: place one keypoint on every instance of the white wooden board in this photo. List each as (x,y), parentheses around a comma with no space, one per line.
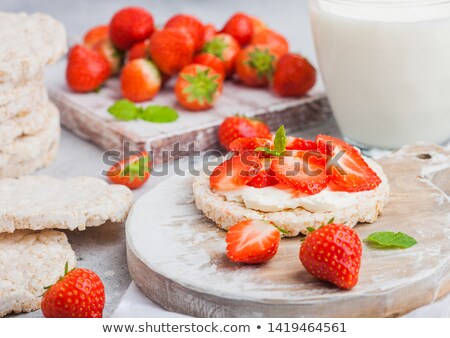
(177,256)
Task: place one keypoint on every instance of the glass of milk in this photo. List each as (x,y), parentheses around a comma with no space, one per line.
(386,68)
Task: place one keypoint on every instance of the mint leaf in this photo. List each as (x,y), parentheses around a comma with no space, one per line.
(268,151)
(158,114)
(124,110)
(280,140)
(389,240)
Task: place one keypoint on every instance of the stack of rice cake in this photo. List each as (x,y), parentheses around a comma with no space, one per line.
(29,122)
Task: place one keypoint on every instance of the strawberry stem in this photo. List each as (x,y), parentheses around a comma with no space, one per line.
(201,87)
(216,47)
(262,61)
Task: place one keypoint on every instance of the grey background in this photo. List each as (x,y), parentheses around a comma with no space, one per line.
(289,17)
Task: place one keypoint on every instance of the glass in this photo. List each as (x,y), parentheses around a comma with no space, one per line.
(386,68)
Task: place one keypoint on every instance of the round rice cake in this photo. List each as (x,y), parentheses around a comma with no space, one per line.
(366,208)
(30,261)
(29,42)
(43,202)
(25,124)
(29,153)
(24,105)
(29,166)
(22,92)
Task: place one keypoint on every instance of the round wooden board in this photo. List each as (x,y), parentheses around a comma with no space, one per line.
(177,256)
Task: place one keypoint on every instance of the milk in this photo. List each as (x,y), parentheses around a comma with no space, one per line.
(386,69)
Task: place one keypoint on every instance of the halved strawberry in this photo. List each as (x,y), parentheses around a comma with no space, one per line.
(304,172)
(244,144)
(265,178)
(296,143)
(252,241)
(235,172)
(352,172)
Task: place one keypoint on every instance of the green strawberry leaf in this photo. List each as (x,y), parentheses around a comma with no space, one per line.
(262,61)
(158,114)
(268,151)
(280,140)
(124,110)
(390,240)
(279,143)
(216,46)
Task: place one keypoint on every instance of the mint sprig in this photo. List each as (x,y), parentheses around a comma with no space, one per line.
(126,110)
(279,143)
(158,114)
(390,240)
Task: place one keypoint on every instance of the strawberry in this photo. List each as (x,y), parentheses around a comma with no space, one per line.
(226,48)
(333,253)
(198,87)
(78,294)
(86,69)
(129,26)
(274,40)
(235,172)
(293,76)
(354,173)
(265,178)
(192,25)
(240,27)
(209,32)
(252,241)
(111,54)
(140,80)
(304,172)
(140,50)
(235,127)
(211,61)
(249,143)
(172,49)
(95,35)
(294,143)
(132,172)
(255,65)
(257,25)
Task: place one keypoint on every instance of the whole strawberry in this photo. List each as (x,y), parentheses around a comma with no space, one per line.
(172,49)
(78,294)
(95,35)
(293,76)
(129,26)
(240,27)
(236,127)
(333,253)
(140,80)
(191,25)
(86,69)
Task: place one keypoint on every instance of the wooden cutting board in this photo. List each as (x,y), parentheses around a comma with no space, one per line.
(177,256)
(86,115)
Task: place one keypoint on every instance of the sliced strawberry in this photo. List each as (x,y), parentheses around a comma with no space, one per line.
(303,172)
(235,172)
(252,241)
(352,173)
(265,178)
(244,143)
(295,143)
